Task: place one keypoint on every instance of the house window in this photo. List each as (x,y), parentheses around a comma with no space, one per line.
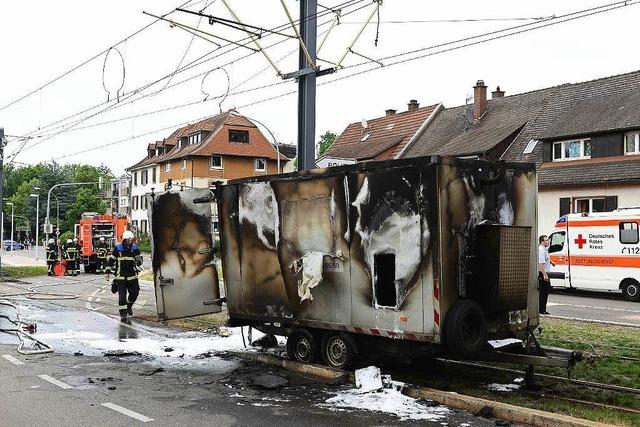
(134,203)
(572,150)
(365,137)
(261,165)
(167,167)
(135,224)
(195,138)
(241,136)
(589,205)
(143,226)
(182,142)
(629,233)
(632,143)
(144,203)
(144,177)
(153,175)
(135,178)
(184,164)
(216,162)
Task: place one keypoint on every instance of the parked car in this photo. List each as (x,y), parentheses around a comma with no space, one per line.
(9,245)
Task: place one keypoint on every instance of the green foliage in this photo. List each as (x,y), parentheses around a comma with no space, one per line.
(326,140)
(66,236)
(20,182)
(24,271)
(144,243)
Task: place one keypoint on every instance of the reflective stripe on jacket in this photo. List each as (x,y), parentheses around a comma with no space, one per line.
(124,261)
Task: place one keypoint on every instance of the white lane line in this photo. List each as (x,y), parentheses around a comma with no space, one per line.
(56,382)
(127,412)
(103,291)
(12,359)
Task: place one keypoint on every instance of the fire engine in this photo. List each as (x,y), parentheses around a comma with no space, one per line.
(92,227)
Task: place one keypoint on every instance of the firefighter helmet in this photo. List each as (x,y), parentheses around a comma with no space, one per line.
(69,241)
(102,239)
(75,240)
(51,241)
(127,235)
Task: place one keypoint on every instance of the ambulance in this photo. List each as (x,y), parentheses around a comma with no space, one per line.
(597,251)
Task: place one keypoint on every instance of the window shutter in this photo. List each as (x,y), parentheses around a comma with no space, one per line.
(546,151)
(610,203)
(565,205)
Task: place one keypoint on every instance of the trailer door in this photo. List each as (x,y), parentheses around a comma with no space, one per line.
(184,269)
(558,253)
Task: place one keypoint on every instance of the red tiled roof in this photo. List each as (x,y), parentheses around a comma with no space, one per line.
(257,147)
(387,132)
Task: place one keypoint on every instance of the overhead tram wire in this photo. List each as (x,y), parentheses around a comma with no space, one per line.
(192,64)
(87,61)
(135,91)
(560,19)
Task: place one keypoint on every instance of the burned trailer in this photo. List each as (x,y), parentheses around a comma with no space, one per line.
(413,255)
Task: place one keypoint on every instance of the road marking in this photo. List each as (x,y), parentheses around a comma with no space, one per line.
(91,297)
(12,359)
(55,382)
(103,291)
(127,412)
(593,307)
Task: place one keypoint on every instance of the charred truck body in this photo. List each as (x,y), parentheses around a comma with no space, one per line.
(410,255)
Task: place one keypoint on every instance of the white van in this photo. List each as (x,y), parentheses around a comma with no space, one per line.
(598,251)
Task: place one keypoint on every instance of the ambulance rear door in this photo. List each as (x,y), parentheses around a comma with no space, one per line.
(559,256)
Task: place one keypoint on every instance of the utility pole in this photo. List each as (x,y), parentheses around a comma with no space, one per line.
(307,86)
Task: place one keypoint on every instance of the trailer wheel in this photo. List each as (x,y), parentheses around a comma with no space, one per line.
(302,346)
(338,351)
(465,329)
(631,290)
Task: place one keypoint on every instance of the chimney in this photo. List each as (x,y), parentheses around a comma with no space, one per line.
(413,105)
(389,112)
(479,101)
(497,93)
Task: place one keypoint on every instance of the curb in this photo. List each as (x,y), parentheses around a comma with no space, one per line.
(505,411)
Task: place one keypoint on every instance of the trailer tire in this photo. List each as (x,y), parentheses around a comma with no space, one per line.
(465,329)
(339,351)
(631,290)
(303,346)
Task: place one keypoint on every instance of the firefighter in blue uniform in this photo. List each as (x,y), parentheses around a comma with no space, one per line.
(52,256)
(70,255)
(102,250)
(124,261)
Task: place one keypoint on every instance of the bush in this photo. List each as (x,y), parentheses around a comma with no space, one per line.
(144,243)
(66,236)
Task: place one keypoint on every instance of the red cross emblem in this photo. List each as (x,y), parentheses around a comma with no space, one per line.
(580,241)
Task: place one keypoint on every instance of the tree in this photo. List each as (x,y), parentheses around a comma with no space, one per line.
(326,140)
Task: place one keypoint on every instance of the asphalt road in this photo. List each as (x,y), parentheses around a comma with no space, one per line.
(595,306)
(83,384)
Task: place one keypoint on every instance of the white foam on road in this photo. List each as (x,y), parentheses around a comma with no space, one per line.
(388,400)
(56,382)
(127,412)
(12,359)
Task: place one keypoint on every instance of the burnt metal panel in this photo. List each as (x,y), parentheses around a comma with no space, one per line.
(607,145)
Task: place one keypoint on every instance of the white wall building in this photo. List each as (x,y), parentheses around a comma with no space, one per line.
(143,179)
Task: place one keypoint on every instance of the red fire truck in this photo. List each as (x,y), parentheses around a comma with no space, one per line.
(92,227)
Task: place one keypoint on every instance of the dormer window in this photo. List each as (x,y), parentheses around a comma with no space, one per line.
(632,143)
(182,142)
(239,136)
(572,150)
(195,138)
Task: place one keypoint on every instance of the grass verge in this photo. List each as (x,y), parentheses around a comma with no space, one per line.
(10,272)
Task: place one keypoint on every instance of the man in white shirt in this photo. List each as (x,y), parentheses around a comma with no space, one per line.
(544,265)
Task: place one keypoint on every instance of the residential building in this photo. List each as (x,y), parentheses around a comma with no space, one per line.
(583,137)
(380,138)
(290,151)
(117,195)
(225,146)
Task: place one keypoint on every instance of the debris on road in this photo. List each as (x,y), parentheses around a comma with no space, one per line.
(267,341)
(368,379)
(150,372)
(270,381)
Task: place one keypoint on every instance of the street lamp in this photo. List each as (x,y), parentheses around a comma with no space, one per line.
(37,197)
(11,243)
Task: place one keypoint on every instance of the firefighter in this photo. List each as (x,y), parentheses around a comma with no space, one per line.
(102,250)
(124,261)
(52,256)
(70,256)
(78,253)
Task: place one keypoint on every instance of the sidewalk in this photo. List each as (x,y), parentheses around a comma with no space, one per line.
(23,258)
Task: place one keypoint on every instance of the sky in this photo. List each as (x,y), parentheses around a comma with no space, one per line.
(107,111)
